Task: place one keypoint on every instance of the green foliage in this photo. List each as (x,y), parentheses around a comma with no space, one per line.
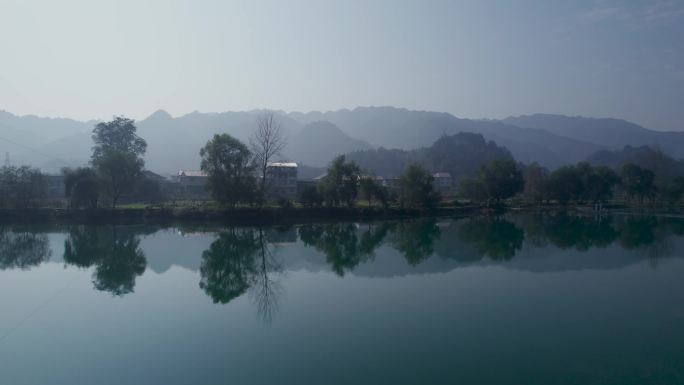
(564,184)
(673,191)
(227,161)
(599,182)
(119,135)
(582,183)
(501,179)
(417,190)
(340,185)
(82,187)
(370,189)
(638,182)
(21,187)
(498,180)
(118,171)
(118,156)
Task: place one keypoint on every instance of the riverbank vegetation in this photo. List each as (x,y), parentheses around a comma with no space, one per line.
(238,182)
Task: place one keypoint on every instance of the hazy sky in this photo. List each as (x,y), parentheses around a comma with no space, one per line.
(94,59)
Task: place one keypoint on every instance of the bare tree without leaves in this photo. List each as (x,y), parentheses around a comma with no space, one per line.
(266,143)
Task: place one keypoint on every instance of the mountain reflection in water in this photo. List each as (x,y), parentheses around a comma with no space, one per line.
(235,261)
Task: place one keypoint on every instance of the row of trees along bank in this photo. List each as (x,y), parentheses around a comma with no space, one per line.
(237,175)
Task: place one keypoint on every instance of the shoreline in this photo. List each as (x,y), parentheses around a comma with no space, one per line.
(276,215)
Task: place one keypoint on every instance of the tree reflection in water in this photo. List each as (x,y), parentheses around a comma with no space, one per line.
(345,245)
(244,260)
(241,259)
(495,237)
(22,249)
(415,239)
(113,250)
(582,233)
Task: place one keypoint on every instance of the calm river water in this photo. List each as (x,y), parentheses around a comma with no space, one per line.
(517,299)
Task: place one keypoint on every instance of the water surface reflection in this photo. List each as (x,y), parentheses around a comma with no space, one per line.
(513,299)
(237,261)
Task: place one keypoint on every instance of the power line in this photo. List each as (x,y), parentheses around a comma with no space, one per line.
(32,150)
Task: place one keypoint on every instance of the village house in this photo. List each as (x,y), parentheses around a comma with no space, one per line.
(282,180)
(443,183)
(192,184)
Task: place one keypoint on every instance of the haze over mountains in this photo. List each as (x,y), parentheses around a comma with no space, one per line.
(314,138)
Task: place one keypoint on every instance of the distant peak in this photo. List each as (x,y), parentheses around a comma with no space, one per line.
(159,115)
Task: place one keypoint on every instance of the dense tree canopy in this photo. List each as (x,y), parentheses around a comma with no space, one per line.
(82,187)
(340,185)
(21,186)
(228,163)
(118,156)
(498,180)
(581,183)
(637,182)
(120,135)
(417,189)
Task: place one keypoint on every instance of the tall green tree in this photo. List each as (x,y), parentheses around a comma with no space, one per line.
(340,185)
(638,182)
(564,184)
(599,184)
(82,187)
(227,161)
(501,179)
(417,189)
(118,156)
(371,189)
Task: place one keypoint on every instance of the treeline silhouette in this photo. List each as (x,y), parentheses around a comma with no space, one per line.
(237,173)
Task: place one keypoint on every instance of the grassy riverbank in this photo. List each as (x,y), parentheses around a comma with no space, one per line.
(274,214)
(244,215)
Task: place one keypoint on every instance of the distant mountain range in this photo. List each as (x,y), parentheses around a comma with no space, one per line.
(314,138)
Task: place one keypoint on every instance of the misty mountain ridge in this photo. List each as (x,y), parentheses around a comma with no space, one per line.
(316,141)
(461,155)
(314,138)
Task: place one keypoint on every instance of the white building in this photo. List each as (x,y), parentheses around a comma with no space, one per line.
(444,183)
(282,180)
